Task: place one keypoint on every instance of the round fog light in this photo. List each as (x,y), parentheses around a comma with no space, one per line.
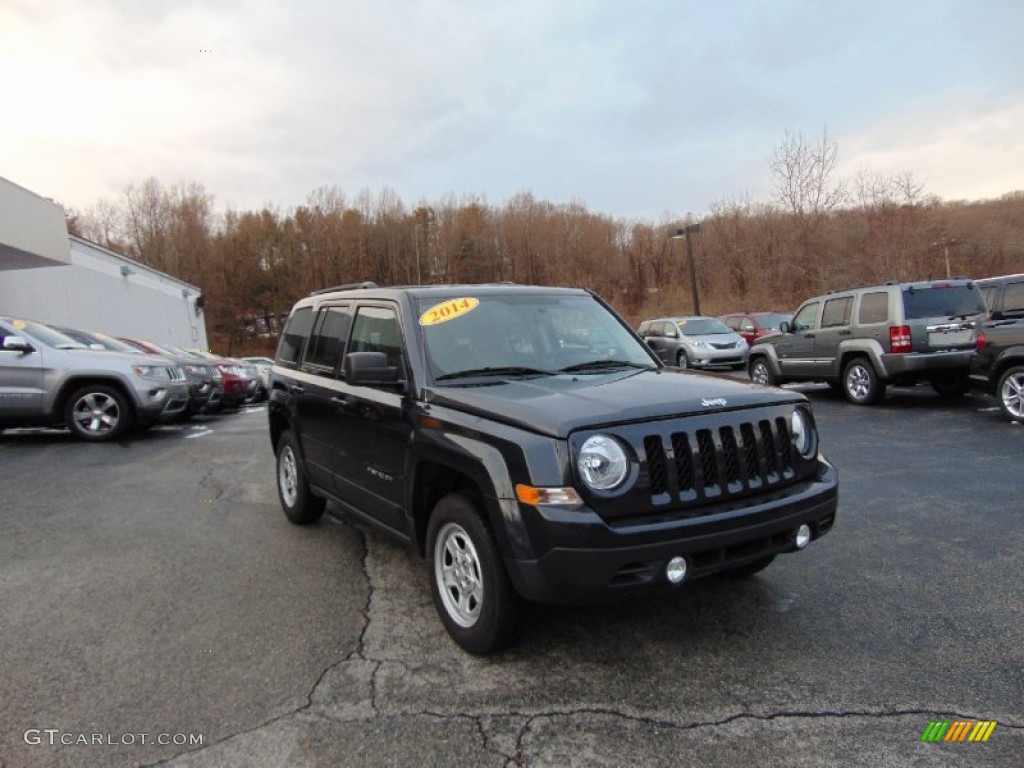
(675,571)
(802,537)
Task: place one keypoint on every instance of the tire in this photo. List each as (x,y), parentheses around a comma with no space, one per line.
(471,590)
(97,413)
(682,361)
(861,384)
(951,384)
(299,503)
(1010,393)
(761,373)
(748,570)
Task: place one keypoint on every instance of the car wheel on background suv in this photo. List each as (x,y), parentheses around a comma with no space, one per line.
(471,590)
(1010,393)
(300,504)
(760,373)
(861,384)
(97,413)
(952,384)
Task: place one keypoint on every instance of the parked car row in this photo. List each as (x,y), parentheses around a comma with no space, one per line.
(100,386)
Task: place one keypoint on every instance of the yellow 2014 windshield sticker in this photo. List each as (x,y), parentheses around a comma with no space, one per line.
(448,310)
(20,325)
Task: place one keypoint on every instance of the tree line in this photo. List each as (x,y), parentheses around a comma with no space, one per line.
(818,233)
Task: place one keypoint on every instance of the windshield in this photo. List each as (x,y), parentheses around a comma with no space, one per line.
(771,321)
(943,300)
(703,326)
(90,337)
(524,335)
(45,335)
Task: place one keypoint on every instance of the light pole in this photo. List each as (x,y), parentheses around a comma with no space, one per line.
(684,234)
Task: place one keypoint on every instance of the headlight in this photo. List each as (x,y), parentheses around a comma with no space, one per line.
(602,462)
(150,371)
(802,433)
(702,344)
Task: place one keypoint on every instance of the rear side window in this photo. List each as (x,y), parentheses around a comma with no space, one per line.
(837,312)
(946,300)
(328,338)
(1013,299)
(874,308)
(294,337)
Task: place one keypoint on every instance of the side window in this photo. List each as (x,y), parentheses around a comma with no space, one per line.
(668,328)
(733,322)
(293,339)
(747,325)
(644,328)
(837,312)
(874,308)
(807,318)
(990,293)
(375,329)
(327,339)
(1013,299)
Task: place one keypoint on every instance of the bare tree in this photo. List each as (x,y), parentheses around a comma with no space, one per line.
(803,171)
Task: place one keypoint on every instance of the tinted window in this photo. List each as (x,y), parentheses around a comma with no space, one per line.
(942,300)
(376,330)
(328,338)
(991,293)
(874,308)
(294,336)
(703,326)
(837,312)
(1013,299)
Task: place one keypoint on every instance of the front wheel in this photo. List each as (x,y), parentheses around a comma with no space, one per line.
(299,503)
(861,384)
(760,373)
(97,413)
(470,587)
(1010,392)
(682,361)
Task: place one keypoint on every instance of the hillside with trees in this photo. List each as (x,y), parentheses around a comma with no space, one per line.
(818,233)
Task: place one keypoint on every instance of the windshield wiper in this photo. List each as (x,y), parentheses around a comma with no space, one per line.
(597,365)
(508,370)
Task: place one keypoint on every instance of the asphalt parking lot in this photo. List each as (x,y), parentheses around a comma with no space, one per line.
(153,591)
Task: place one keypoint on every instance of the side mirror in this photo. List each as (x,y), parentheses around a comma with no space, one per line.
(784,327)
(370,369)
(17,344)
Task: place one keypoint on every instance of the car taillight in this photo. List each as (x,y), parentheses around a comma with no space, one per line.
(982,341)
(899,338)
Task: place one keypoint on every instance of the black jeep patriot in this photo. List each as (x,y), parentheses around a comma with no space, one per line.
(524,441)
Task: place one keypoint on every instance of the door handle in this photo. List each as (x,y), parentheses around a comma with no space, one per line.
(296,389)
(846,333)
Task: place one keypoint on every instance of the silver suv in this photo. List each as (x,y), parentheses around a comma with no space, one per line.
(861,340)
(48,378)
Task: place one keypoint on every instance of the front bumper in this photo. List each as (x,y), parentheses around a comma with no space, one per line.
(161,402)
(709,358)
(591,561)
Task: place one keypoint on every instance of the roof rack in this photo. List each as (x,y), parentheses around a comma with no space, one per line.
(346,287)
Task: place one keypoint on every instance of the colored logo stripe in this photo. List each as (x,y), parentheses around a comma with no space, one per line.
(958,730)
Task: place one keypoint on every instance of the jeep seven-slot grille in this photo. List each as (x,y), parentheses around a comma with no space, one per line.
(713,464)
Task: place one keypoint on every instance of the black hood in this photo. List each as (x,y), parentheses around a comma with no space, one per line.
(558,405)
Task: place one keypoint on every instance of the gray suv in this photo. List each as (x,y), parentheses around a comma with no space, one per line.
(47,378)
(861,340)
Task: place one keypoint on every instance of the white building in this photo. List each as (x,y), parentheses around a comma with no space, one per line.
(52,277)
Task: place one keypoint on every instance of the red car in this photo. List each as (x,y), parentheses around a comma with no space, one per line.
(240,380)
(754,325)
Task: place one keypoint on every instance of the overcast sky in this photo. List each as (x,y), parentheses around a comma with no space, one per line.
(636,108)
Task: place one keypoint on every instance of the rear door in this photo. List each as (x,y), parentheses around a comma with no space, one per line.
(835,328)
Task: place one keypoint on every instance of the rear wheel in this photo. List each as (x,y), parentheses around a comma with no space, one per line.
(861,384)
(952,384)
(299,503)
(760,373)
(97,413)
(470,587)
(1010,392)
